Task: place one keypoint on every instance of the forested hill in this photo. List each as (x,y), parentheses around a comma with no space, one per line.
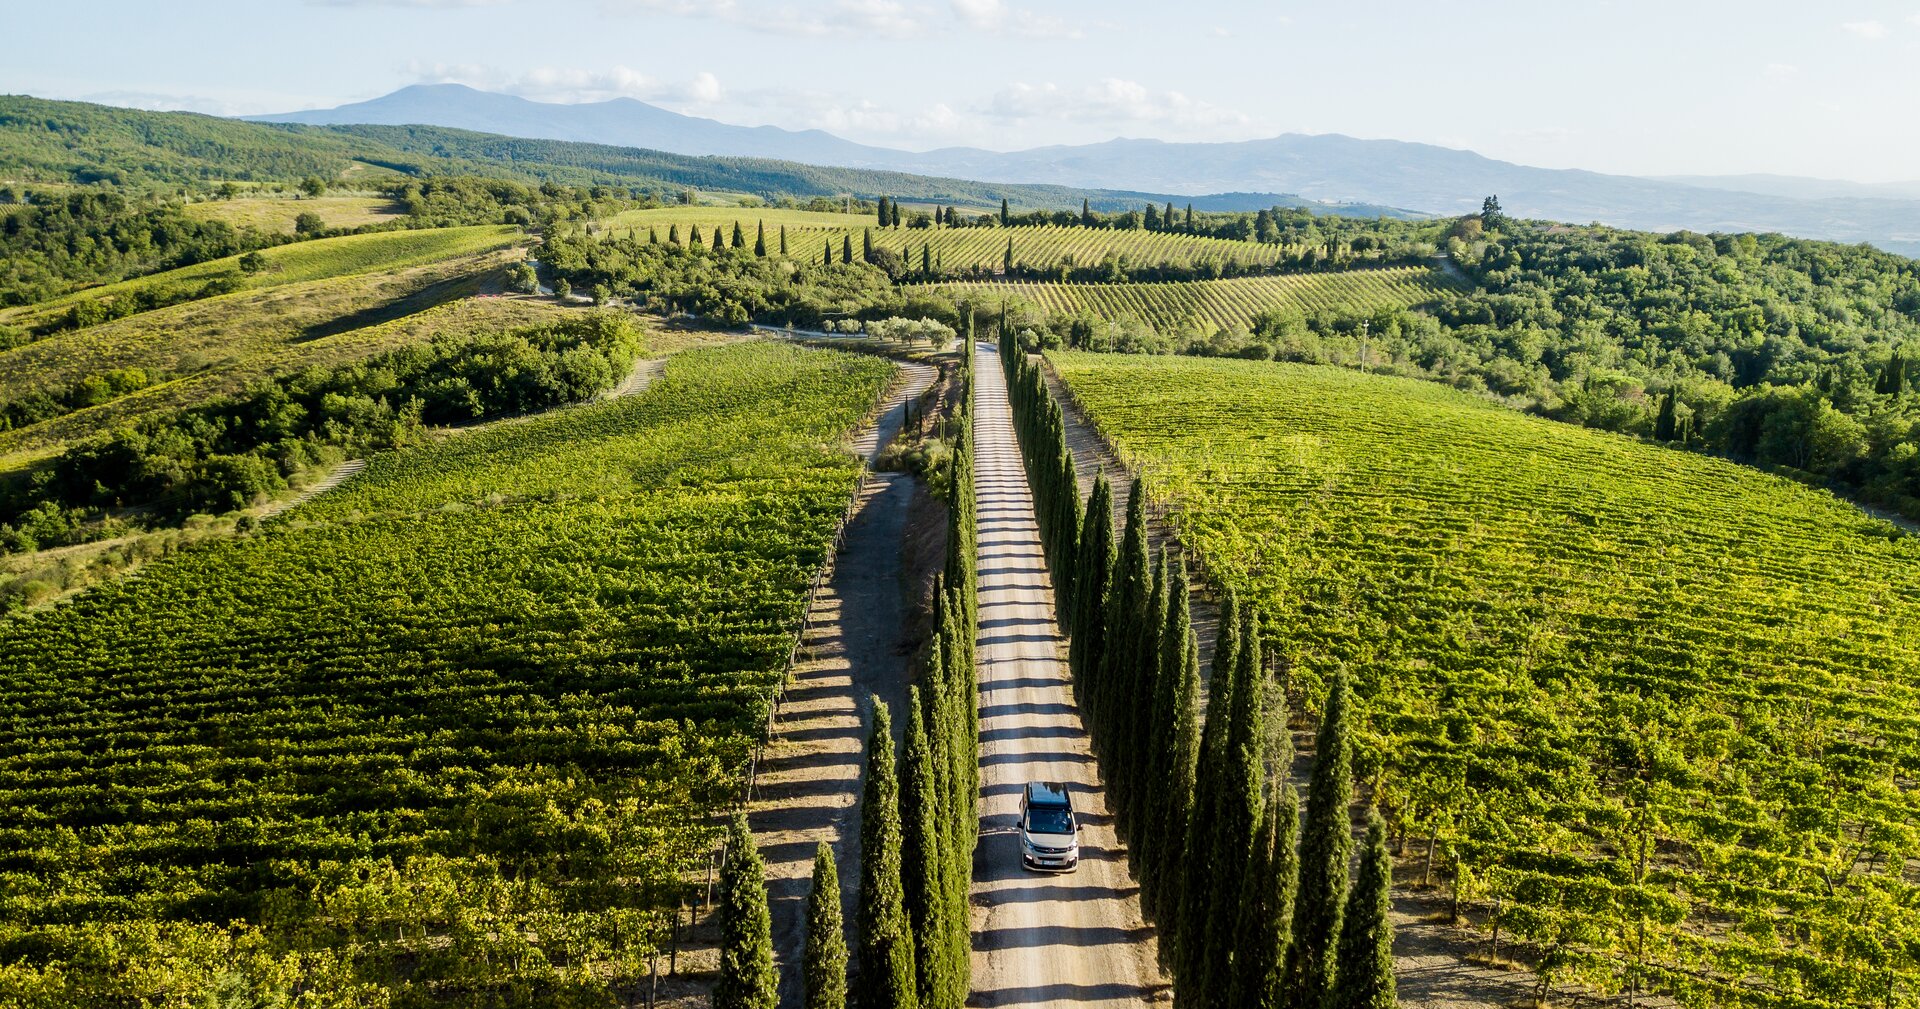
(75,142)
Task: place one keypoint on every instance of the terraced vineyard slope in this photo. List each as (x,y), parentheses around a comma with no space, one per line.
(447,735)
(1224,304)
(1652,714)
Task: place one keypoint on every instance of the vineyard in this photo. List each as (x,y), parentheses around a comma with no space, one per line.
(1647,715)
(956,249)
(448,735)
(294,263)
(1223,304)
(276,214)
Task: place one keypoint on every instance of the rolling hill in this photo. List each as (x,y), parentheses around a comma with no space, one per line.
(1324,169)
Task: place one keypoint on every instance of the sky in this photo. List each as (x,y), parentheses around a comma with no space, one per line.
(1828,89)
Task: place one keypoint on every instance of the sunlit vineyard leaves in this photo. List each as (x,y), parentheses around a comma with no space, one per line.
(1656,709)
(446,735)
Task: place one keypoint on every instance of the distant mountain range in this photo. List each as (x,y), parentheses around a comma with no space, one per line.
(1327,168)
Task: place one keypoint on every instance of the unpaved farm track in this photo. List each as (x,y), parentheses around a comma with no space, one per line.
(808,788)
(1038,940)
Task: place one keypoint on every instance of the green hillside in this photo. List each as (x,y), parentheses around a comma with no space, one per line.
(1655,712)
(444,738)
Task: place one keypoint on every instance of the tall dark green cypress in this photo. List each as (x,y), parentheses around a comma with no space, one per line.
(693,237)
(1090,583)
(1192,984)
(760,239)
(1086,213)
(1663,425)
(1266,941)
(1237,811)
(1364,976)
(653,237)
(1326,849)
(866,244)
(1005,217)
(1174,744)
(824,972)
(783,239)
(926,259)
(748,979)
(1137,711)
(1256,939)
(886,949)
(882,215)
(921,855)
(739,237)
(719,238)
(1126,608)
(1006,261)
(846,248)
(826,252)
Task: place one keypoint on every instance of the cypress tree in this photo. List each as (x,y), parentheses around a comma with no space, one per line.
(1326,848)
(1168,218)
(739,238)
(886,949)
(1090,585)
(1189,218)
(1174,746)
(783,239)
(748,979)
(846,248)
(884,218)
(926,260)
(760,239)
(719,240)
(653,237)
(1363,978)
(1237,813)
(1196,883)
(1266,915)
(826,252)
(693,236)
(921,857)
(1005,217)
(1086,213)
(1006,261)
(1142,718)
(825,970)
(866,244)
(1663,424)
(1150,219)
(1119,686)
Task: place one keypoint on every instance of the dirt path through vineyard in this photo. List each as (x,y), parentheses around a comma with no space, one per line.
(809,784)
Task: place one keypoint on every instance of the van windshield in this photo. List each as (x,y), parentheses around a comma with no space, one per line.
(1049,820)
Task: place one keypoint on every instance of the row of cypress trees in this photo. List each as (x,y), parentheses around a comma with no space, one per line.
(918,819)
(917,823)
(1253,906)
(719,238)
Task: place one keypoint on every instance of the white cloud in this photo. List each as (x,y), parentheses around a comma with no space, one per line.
(1782,71)
(406,3)
(997,17)
(571,85)
(1913,19)
(1112,101)
(1866,29)
(860,18)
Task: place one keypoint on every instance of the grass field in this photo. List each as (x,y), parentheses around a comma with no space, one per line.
(1659,713)
(275,214)
(1224,304)
(207,347)
(450,732)
(295,263)
(958,248)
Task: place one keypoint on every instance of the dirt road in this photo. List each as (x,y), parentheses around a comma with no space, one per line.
(808,789)
(1039,940)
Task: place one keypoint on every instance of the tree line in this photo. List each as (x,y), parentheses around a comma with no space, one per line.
(1251,897)
(918,821)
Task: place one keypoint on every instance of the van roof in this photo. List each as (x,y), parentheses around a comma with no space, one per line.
(1047,793)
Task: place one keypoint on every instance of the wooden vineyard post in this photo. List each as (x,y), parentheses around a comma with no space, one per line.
(673,939)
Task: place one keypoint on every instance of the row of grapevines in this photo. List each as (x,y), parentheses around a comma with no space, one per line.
(1657,714)
(1223,304)
(449,733)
